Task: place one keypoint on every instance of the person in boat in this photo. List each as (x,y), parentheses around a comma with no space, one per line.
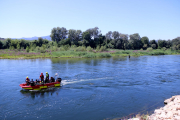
(27,80)
(52,79)
(41,77)
(47,78)
(32,82)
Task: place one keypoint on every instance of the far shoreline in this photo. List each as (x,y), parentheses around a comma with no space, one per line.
(22,54)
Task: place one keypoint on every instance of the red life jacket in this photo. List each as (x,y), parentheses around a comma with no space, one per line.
(27,79)
(42,76)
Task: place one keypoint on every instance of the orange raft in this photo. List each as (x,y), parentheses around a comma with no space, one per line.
(41,86)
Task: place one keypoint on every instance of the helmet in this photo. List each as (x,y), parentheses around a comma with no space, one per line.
(41,73)
(46,72)
(27,77)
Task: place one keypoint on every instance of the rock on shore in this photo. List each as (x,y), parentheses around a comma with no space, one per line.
(171,110)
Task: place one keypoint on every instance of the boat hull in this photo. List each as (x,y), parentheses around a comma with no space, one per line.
(40,86)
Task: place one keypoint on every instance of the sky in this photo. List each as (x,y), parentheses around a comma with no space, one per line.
(156,19)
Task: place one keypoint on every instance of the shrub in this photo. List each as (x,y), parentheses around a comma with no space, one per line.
(27,49)
(149,49)
(81,48)
(104,55)
(125,52)
(66,47)
(103,48)
(153,46)
(97,48)
(37,49)
(90,55)
(164,48)
(89,49)
(62,49)
(42,50)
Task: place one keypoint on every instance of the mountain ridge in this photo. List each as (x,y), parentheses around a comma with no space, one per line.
(34,38)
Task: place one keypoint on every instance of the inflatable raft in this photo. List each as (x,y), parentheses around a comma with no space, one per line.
(39,86)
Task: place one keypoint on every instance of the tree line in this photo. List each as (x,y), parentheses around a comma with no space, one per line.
(92,37)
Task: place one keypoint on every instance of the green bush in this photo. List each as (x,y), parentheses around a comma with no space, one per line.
(42,50)
(27,49)
(62,49)
(164,48)
(150,49)
(90,55)
(97,48)
(66,47)
(125,52)
(81,48)
(104,55)
(89,49)
(103,48)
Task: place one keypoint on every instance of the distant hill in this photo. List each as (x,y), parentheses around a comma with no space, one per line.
(35,38)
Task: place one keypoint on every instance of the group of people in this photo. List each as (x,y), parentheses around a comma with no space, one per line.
(41,77)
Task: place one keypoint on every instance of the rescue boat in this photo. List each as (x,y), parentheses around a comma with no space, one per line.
(41,86)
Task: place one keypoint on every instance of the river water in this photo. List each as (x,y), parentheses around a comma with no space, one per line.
(92,89)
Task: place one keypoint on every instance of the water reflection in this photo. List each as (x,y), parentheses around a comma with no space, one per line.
(42,93)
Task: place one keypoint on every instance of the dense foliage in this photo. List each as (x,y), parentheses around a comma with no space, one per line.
(91,39)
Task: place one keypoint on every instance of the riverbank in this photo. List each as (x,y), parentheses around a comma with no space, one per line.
(171,111)
(23,54)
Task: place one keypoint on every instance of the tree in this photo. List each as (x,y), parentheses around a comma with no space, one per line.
(1,45)
(40,41)
(168,44)
(64,42)
(18,46)
(176,43)
(27,49)
(22,43)
(124,40)
(94,32)
(161,44)
(153,44)
(86,38)
(75,36)
(115,35)
(109,35)
(57,34)
(135,40)
(145,40)
(7,43)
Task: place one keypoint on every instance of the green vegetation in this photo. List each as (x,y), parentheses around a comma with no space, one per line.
(80,52)
(90,43)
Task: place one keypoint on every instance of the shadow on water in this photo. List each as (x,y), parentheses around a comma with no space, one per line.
(41,93)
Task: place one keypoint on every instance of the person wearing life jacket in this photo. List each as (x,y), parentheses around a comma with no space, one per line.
(27,80)
(47,78)
(42,78)
(32,82)
(52,79)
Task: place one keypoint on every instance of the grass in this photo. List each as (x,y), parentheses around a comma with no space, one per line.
(15,54)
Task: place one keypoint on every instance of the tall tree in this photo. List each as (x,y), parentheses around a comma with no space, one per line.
(145,42)
(153,44)
(115,35)
(40,41)
(57,34)
(124,40)
(161,44)
(109,35)
(75,36)
(94,32)
(1,45)
(135,40)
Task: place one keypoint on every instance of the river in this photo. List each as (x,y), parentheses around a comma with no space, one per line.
(92,89)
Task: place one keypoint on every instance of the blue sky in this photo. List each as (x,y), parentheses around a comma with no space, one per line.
(156,19)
